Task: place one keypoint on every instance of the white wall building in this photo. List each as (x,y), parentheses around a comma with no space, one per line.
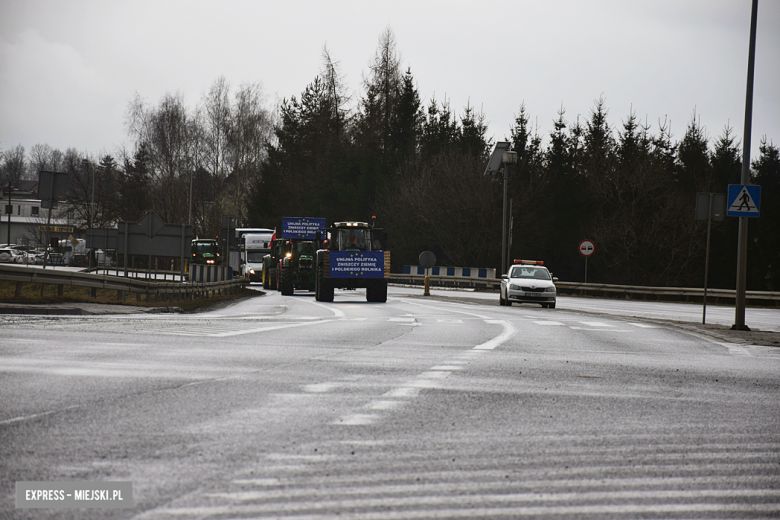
(24,221)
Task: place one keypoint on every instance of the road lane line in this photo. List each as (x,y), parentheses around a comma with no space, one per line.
(427,306)
(357,419)
(265,329)
(36,415)
(337,312)
(498,340)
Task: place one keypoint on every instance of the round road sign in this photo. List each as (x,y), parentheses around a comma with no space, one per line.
(587,248)
(427,259)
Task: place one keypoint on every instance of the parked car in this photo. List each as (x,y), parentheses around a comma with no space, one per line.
(11,256)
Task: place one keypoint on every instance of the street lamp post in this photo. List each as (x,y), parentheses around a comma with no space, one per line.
(500,160)
(507,159)
(739,308)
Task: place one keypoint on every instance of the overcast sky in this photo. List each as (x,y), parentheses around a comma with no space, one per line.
(69,68)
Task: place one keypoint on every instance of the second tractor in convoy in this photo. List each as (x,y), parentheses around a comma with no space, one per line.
(296,267)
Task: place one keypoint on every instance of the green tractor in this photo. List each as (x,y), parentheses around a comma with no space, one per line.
(354,259)
(296,268)
(271,262)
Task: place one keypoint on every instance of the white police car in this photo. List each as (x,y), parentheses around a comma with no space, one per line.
(528,281)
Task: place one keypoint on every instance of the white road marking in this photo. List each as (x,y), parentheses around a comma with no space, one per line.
(427,306)
(320,388)
(434,374)
(509,504)
(498,340)
(36,415)
(600,329)
(644,325)
(221,333)
(548,323)
(336,312)
(384,405)
(357,419)
(597,324)
(404,391)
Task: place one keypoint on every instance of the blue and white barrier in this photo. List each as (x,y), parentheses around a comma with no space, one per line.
(455,272)
(210,273)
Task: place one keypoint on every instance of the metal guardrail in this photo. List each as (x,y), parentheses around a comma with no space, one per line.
(165,290)
(186,290)
(694,294)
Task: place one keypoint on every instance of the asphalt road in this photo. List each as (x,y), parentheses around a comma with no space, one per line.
(284,407)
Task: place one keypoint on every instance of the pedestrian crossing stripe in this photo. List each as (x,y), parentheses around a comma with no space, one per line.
(743,200)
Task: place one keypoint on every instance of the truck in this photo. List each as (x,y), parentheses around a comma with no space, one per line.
(355,258)
(74,251)
(253,247)
(205,251)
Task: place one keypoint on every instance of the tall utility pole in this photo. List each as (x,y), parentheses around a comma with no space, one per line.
(500,160)
(507,159)
(739,314)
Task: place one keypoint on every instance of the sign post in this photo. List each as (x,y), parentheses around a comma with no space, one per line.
(52,188)
(709,207)
(427,260)
(586,249)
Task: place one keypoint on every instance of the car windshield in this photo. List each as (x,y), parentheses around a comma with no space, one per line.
(255,258)
(536,273)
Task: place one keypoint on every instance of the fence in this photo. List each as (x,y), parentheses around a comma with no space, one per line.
(159,291)
(682,294)
(167,290)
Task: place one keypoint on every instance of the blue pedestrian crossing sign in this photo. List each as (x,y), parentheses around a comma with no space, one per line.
(743,200)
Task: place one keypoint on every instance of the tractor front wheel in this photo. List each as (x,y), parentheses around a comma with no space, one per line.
(285,281)
(323,290)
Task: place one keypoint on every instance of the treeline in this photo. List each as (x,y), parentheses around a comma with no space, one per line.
(188,165)
(418,168)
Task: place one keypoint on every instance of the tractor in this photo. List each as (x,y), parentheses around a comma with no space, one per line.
(354,259)
(296,267)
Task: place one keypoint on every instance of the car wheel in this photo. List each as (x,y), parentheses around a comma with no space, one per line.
(552,305)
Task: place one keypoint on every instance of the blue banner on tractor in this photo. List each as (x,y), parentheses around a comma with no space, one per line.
(301,227)
(357,264)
